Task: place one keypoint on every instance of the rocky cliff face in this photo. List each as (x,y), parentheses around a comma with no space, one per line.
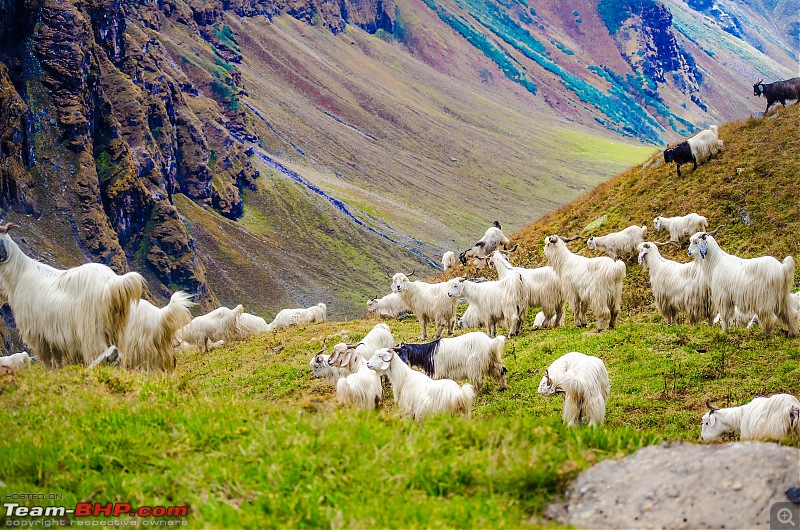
(103,119)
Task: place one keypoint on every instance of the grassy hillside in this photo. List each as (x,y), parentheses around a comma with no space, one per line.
(245,436)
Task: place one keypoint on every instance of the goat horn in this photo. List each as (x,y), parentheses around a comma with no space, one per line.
(711,406)
(547,376)
(510,251)
(715,231)
(568,239)
(661,244)
(388,275)
(323,345)
(5,228)
(412,272)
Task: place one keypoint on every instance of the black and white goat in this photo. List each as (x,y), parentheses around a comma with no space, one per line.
(473,356)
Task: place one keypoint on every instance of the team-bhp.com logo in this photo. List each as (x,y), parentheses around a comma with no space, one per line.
(86,514)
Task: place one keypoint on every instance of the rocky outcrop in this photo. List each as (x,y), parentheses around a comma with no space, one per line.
(683,485)
(97,107)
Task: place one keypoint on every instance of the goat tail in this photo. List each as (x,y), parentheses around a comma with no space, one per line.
(176,314)
(466,399)
(620,271)
(497,350)
(118,295)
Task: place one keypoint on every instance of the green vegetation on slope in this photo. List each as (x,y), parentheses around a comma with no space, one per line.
(247,437)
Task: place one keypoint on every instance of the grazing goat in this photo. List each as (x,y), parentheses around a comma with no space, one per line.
(300,315)
(16,361)
(472,319)
(682,227)
(355,383)
(473,356)
(449,260)
(252,324)
(782,91)
(148,340)
(680,154)
(542,287)
(389,306)
(379,337)
(429,301)
(540,321)
(760,286)
(495,301)
(490,242)
(594,283)
(220,324)
(417,394)
(706,144)
(66,316)
(772,418)
(583,380)
(676,286)
(618,244)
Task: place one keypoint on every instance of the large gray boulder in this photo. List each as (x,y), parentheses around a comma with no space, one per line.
(683,485)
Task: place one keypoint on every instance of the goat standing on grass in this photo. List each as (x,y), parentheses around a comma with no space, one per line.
(772,418)
(473,356)
(417,394)
(616,244)
(758,286)
(542,287)
(583,380)
(66,316)
(148,342)
(676,286)
(682,227)
(429,301)
(587,282)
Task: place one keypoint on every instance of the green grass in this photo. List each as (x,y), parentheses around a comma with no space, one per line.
(245,436)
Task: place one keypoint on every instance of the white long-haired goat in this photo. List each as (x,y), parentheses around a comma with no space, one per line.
(772,418)
(682,227)
(220,324)
(619,244)
(677,287)
(583,380)
(417,394)
(355,383)
(429,301)
(389,306)
(449,260)
(252,324)
(495,301)
(148,340)
(66,316)
(299,316)
(16,361)
(706,144)
(758,286)
(542,287)
(594,283)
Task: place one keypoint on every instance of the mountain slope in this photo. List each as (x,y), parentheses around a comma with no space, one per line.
(750,188)
(410,126)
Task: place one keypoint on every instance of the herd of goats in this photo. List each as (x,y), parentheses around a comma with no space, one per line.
(89,315)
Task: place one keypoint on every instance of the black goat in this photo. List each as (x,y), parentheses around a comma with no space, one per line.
(418,355)
(782,91)
(680,154)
